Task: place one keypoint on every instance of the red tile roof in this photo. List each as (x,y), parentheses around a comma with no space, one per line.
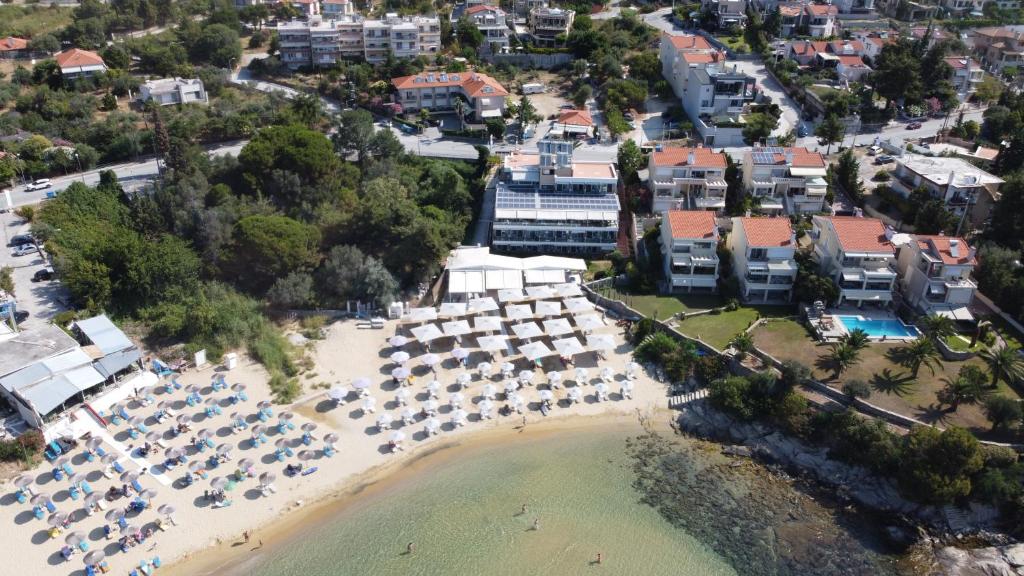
(853,61)
(482,8)
(688,42)
(11,43)
(702,157)
(77,57)
(790,9)
(474,84)
(692,223)
(703,57)
(800,157)
(768,232)
(944,251)
(808,48)
(861,234)
(958,62)
(822,10)
(576,118)
(839,46)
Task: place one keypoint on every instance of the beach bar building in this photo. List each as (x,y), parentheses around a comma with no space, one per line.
(473,271)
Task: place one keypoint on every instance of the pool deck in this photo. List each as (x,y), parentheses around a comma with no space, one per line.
(830,328)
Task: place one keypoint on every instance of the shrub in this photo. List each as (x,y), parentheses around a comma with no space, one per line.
(24,448)
(26,212)
(284,389)
(272,350)
(881,176)
(656,348)
(857,389)
(709,368)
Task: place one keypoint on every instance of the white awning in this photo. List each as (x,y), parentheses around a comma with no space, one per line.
(493,113)
(852,275)
(795,171)
(545,276)
(956,313)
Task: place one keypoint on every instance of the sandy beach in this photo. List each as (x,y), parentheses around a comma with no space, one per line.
(363,455)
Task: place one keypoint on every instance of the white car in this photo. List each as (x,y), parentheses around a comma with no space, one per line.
(26,249)
(41,184)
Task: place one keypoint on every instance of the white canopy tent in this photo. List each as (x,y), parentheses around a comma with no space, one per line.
(600,342)
(568,289)
(535,350)
(478,305)
(578,305)
(427,332)
(487,323)
(452,309)
(527,330)
(588,321)
(540,292)
(511,295)
(544,276)
(456,328)
(518,312)
(492,343)
(568,346)
(557,327)
(548,308)
(421,315)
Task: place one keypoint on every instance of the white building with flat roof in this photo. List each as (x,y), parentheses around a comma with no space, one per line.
(171,91)
(790,180)
(324,41)
(960,185)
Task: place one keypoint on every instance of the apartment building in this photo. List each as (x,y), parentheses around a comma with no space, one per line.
(967,74)
(332,9)
(999,47)
(549,203)
(77,63)
(935,275)
(715,99)
(323,42)
(491,22)
(961,186)
(548,25)
(763,254)
(171,91)
(857,254)
(307,8)
(679,53)
(964,8)
(689,247)
(790,180)
(820,20)
(730,13)
(483,96)
(854,6)
(521,9)
(687,179)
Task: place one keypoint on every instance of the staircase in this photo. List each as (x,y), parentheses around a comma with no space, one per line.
(687,397)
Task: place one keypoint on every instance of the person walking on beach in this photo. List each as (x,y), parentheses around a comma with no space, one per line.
(536,523)
(410,548)
(524,510)
(246,535)
(599,558)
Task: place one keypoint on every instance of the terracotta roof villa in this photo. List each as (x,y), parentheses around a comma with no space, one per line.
(77,63)
(439,90)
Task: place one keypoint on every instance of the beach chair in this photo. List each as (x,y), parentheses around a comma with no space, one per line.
(90,571)
(90,456)
(86,489)
(122,412)
(67,469)
(161,369)
(50,506)
(58,474)
(101,504)
(243,396)
(50,455)
(156,562)
(282,429)
(174,381)
(133,433)
(263,416)
(66,552)
(118,467)
(137,486)
(100,451)
(122,524)
(21,496)
(188,480)
(83,546)
(74,493)
(212,462)
(307,439)
(328,451)
(37,511)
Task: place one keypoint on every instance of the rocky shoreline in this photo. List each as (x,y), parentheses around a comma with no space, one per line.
(937,539)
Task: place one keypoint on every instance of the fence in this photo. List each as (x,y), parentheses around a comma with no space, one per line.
(542,61)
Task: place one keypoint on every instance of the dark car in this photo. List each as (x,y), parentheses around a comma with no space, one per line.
(20,240)
(914,126)
(801,131)
(884,159)
(42,275)
(20,316)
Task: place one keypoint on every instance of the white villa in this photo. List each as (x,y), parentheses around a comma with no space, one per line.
(763,251)
(689,245)
(687,179)
(484,96)
(935,275)
(790,180)
(171,91)
(857,254)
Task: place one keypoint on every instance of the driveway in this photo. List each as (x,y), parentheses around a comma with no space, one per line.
(770,87)
(40,299)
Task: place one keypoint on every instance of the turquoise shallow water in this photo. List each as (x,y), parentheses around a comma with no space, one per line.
(464,517)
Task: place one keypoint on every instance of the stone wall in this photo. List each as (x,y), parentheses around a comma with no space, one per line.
(530,61)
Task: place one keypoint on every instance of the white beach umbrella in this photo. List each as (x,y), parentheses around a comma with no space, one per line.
(460,353)
(430,359)
(486,405)
(92,499)
(456,399)
(588,321)
(486,323)
(427,314)
(433,388)
(567,289)
(397,436)
(485,304)
(432,425)
(75,538)
(384,421)
(548,308)
(535,350)
(557,327)
(510,295)
(360,384)
(484,369)
(526,376)
(456,328)
(492,343)
(508,368)
(174,452)
(24,481)
(95,442)
(130,476)
(430,406)
(607,374)
(267,478)
(578,305)
(306,455)
(632,369)
(331,438)
(402,396)
(401,373)
(510,387)
(308,427)
(218,483)
(427,332)
(337,393)
(114,515)
(527,330)
(626,389)
(166,509)
(245,464)
(463,379)
(554,378)
(488,391)
(408,416)
(183,419)
(602,390)
(398,341)
(546,395)
(94,557)
(517,312)
(582,376)
(460,415)
(196,465)
(540,292)
(282,443)
(40,499)
(369,404)
(600,342)
(452,309)
(517,401)
(400,357)
(568,347)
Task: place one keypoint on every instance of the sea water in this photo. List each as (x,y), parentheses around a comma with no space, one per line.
(464,516)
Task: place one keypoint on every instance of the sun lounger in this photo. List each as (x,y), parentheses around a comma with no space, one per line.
(309,471)
(58,474)
(156,562)
(74,493)
(122,413)
(137,486)
(122,524)
(118,468)
(101,504)
(90,571)
(21,496)
(37,511)
(133,433)
(108,472)
(67,469)
(86,489)
(83,546)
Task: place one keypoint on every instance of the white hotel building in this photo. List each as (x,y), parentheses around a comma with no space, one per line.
(323,42)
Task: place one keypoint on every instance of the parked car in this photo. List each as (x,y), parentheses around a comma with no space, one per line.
(874,150)
(26,249)
(20,240)
(567,106)
(41,184)
(20,316)
(801,131)
(914,126)
(884,159)
(43,275)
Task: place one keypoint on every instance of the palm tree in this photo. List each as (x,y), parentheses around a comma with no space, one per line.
(1003,363)
(856,339)
(743,343)
(920,352)
(936,326)
(961,390)
(843,357)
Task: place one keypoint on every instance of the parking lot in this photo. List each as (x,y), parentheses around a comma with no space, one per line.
(40,299)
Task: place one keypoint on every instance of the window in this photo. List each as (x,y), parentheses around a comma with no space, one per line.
(758,254)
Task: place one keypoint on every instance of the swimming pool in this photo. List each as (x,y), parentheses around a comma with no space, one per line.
(888,328)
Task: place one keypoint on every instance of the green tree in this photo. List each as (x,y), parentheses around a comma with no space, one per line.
(936,467)
(631,160)
(468,34)
(856,339)
(937,326)
(842,357)
(270,247)
(582,94)
(353,132)
(758,127)
(1003,363)
(743,343)
(730,395)
(967,388)
(920,352)
(293,291)
(348,274)
(846,173)
(526,112)
(1002,412)
(217,45)
(44,44)
(897,73)
(988,90)
(830,131)
(7,280)
(933,218)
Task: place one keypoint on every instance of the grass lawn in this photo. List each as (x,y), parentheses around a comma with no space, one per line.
(718,329)
(32,20)
(662,306)
(595,266)
(892,386)
(1009,333)
(821,91)
(737,43)
(962,343)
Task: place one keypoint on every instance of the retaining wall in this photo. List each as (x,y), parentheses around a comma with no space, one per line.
(542,61)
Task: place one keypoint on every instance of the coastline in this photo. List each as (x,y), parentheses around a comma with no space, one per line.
(351,494)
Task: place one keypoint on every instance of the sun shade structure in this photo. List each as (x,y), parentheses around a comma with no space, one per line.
(588,321)
(568,347)
(527,330)
(534,350)
(487,323)
(567,289)
(427,332)
(518,312)
(540,292)
(422,315)
(557,327)
(452,309)
(600,342)
(400,357)
(578,305)
(511,295)
(492,343)
(478,305)
(398,341)
(456,328)
(548,308)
